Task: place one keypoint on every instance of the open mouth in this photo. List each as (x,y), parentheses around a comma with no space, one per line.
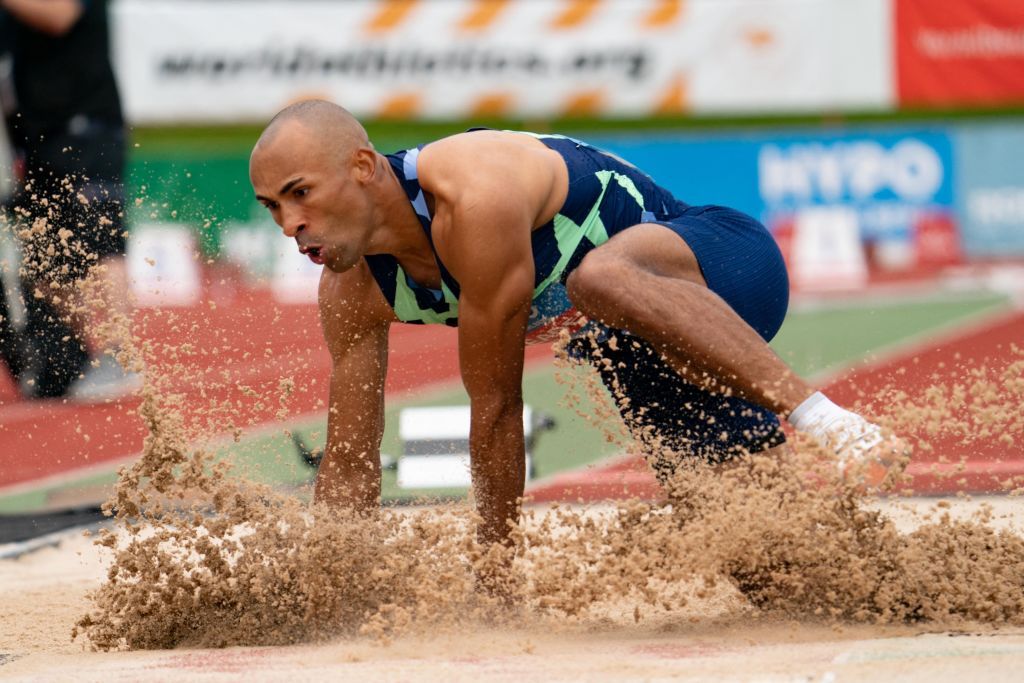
(314,254)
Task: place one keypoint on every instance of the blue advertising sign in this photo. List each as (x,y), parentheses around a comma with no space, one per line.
(896,184)
(990,189)
(893,178)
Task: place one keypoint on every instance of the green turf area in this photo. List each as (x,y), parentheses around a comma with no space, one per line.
(393,134)
(65,495)
(817,340)
(272,458)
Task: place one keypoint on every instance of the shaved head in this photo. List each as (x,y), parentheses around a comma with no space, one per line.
(329,124)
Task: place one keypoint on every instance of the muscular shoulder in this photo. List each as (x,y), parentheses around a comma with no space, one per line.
(447,165)
(512,166)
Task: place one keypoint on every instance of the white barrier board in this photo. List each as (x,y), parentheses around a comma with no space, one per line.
(231,60)
(428,435)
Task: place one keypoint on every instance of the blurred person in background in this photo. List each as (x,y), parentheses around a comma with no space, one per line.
(66,126)
(11,313)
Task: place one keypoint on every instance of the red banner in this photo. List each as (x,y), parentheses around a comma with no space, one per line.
(960,52)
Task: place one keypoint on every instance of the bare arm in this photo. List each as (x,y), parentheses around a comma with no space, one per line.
(492,329)
(54,17)
(355,320)
(482,225)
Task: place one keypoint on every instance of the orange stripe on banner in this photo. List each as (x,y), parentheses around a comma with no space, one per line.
(483,15)
(674,99)
(402,106)
(389,15)
(575,13)
(760,37)
(584,103)
(492,104)
(666,12)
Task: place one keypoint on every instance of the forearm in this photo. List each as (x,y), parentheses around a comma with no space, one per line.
(55,17)
(349,474)
(498,465)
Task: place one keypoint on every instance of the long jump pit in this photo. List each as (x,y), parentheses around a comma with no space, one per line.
(606,593)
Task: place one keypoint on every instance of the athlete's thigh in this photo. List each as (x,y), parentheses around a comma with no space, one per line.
(654,248)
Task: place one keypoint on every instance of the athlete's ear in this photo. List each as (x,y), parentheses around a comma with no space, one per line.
(364,165)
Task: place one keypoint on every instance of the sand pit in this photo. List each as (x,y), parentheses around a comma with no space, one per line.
(44,593)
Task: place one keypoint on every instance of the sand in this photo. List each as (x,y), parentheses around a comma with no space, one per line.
(45,592)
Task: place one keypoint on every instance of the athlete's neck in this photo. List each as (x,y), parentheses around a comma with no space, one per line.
(398,232)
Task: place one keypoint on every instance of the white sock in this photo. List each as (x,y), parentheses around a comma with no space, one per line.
(845,432)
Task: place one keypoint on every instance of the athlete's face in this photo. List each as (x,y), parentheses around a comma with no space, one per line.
(317,199)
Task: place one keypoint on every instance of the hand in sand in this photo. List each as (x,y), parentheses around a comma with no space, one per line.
(869,458)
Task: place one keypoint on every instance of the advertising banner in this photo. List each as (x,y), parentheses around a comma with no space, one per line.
(990,189)
(960,52)
(841,206)
(232,60)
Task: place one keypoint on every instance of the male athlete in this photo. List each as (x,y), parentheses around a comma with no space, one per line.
(507,235)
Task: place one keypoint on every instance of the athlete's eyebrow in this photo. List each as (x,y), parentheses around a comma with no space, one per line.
(290,184)
(284,190)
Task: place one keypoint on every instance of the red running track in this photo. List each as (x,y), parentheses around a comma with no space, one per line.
(240,350)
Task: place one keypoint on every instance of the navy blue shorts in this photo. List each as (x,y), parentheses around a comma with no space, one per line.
(741,263)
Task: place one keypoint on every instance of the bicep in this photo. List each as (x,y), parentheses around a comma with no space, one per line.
(483,219)
(355,320)
(495,270)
